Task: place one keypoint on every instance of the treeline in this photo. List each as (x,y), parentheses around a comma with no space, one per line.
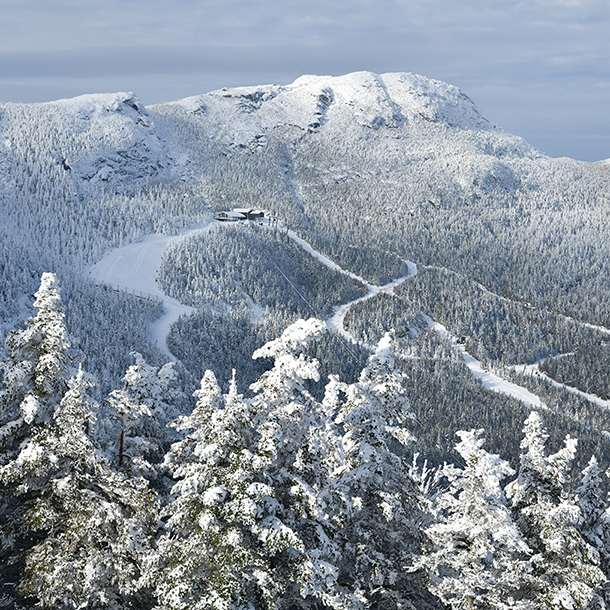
(280,500)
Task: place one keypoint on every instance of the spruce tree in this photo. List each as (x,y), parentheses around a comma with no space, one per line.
(565,568)
(142,415)
(594,523)
(74,532)
(479,558)
(380,532)
(216,550)
(295,436)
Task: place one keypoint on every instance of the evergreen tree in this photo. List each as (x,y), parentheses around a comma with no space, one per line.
(594,524)
(34,379)
(565,570)
(221,526)
(73,532)
(380,532)
(142,415)
(479,558)
(36,369)
(301,447)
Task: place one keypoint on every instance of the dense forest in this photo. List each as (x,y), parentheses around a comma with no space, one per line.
(279,500)
(353,461)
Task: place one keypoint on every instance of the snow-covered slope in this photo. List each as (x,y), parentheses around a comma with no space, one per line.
(103,138)
(247,117)
(370,170)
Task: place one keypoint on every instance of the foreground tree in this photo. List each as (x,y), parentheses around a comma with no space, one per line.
(565,568)
(249,525)
(142,415)
(479,558)
(383,511)
(34,379)
(74,532)
(594,523)
(214,552)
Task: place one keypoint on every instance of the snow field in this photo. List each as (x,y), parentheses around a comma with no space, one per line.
(134,268)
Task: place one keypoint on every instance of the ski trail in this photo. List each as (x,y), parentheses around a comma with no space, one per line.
(335,322)
(134,267)
(533,369)
(489,380)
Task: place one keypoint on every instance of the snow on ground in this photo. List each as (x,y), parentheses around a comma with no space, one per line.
(533,370)
(489,380)
(133,268)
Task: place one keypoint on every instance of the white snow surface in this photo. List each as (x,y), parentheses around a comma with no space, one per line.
(373,100)
(133,268)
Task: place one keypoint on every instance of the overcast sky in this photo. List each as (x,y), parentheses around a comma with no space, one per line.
(538,68)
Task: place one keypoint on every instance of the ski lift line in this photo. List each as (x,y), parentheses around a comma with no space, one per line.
(314,310)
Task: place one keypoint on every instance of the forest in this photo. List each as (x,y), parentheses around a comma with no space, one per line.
(280,500)
(311,439)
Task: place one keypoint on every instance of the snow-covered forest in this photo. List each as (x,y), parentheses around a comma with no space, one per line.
(353,461)
(278,500)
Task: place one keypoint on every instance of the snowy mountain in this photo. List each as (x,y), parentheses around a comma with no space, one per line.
(376,172)
(419,272)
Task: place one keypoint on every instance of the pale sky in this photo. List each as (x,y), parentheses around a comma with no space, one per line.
(537,68)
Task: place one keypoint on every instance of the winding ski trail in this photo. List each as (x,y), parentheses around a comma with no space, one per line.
(134,268)
(335,322)
(489,380)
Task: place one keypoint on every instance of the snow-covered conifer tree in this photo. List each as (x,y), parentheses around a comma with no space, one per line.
(381,531)
(142,415)
(565,570)
(34,379)
(36,370)
(222,528)
(479,558)
(301,447)
(594,524)
(80,529)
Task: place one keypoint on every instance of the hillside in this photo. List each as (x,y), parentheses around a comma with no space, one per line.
(375,172)
(424,289)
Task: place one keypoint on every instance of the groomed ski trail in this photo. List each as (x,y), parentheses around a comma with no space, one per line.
(489,380)
(134,267)
(335,322)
